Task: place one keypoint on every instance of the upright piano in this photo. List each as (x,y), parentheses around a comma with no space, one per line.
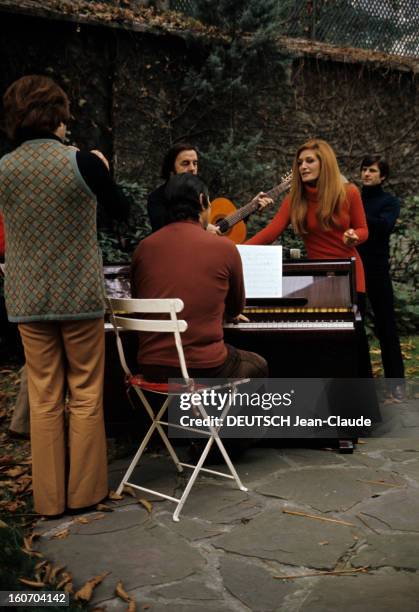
(312,331)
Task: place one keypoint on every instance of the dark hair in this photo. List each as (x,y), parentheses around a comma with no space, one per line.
(183,197)
(168,165)
(35,102)
(382,164)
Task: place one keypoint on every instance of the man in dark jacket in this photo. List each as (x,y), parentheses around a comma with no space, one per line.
(382,210)
(180,158)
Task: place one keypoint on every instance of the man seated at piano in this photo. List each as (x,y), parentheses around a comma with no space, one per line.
(322,208)
(183,261)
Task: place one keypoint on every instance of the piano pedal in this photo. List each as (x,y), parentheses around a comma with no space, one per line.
(346,447)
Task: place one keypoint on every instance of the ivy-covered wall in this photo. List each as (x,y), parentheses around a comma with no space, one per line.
(128,98)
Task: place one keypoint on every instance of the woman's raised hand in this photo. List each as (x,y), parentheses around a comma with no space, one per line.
(350,237)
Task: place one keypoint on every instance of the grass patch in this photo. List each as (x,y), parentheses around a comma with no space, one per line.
(410,352)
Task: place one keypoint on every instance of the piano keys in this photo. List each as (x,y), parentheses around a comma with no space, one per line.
(294,326)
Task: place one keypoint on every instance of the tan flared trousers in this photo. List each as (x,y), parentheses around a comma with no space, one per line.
(66,356)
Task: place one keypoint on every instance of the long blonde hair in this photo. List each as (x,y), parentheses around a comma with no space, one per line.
(331,191)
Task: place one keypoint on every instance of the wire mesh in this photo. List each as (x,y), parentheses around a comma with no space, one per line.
(182,6)
(390,26)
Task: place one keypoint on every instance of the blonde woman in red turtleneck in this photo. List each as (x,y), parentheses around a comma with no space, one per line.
(325,211)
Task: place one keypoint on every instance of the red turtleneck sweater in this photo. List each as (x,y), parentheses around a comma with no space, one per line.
(320,243)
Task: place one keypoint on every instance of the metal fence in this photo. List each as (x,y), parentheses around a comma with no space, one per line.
(390,26)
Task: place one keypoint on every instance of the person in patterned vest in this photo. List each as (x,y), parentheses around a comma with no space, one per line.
(54,290)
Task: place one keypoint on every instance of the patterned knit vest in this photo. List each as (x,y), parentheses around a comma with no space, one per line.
(53,261)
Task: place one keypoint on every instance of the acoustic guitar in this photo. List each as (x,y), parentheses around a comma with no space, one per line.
(230,219)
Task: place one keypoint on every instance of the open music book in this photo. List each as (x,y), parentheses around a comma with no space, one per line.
(262,270)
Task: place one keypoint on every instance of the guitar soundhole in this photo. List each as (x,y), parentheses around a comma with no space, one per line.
(215,220)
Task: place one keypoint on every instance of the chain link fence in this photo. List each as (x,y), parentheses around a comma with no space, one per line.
(390,26)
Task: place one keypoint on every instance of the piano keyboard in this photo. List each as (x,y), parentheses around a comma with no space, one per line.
(297,325)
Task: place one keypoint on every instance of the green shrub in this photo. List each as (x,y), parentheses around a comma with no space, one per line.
(404,267)
(119,240)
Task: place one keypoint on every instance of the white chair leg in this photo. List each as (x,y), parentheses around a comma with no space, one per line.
(136,458)
(192,479)
(155,425)
(229,464)
(163,436)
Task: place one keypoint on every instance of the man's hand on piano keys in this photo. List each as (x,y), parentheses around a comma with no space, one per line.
(241,318)
(350,237)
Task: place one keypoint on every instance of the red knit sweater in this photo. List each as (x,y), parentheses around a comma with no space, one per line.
(320,243)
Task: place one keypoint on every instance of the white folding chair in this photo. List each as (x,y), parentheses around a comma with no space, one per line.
(121,311)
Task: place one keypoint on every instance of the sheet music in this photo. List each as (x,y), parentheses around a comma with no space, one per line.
(262,270)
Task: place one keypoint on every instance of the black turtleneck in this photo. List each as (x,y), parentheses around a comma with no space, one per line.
(381,209)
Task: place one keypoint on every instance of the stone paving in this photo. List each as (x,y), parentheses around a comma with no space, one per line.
(230,548)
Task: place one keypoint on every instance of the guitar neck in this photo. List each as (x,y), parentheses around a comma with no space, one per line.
(251,207)
(240,214)
(275,192)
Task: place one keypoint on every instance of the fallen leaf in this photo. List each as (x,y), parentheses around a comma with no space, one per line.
(68,588)
(83,520)
(32,583)
(32,553)
(324,543)
(12,506)
(15,472)
(114,496)
(146,505)
(60,535)
(28,541)
(121,592)
(130,491)
(47,574)
(67,577)
(40,564)
(86,591)
(104,508)
(54,573)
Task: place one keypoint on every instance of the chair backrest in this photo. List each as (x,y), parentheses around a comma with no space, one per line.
(119,308)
